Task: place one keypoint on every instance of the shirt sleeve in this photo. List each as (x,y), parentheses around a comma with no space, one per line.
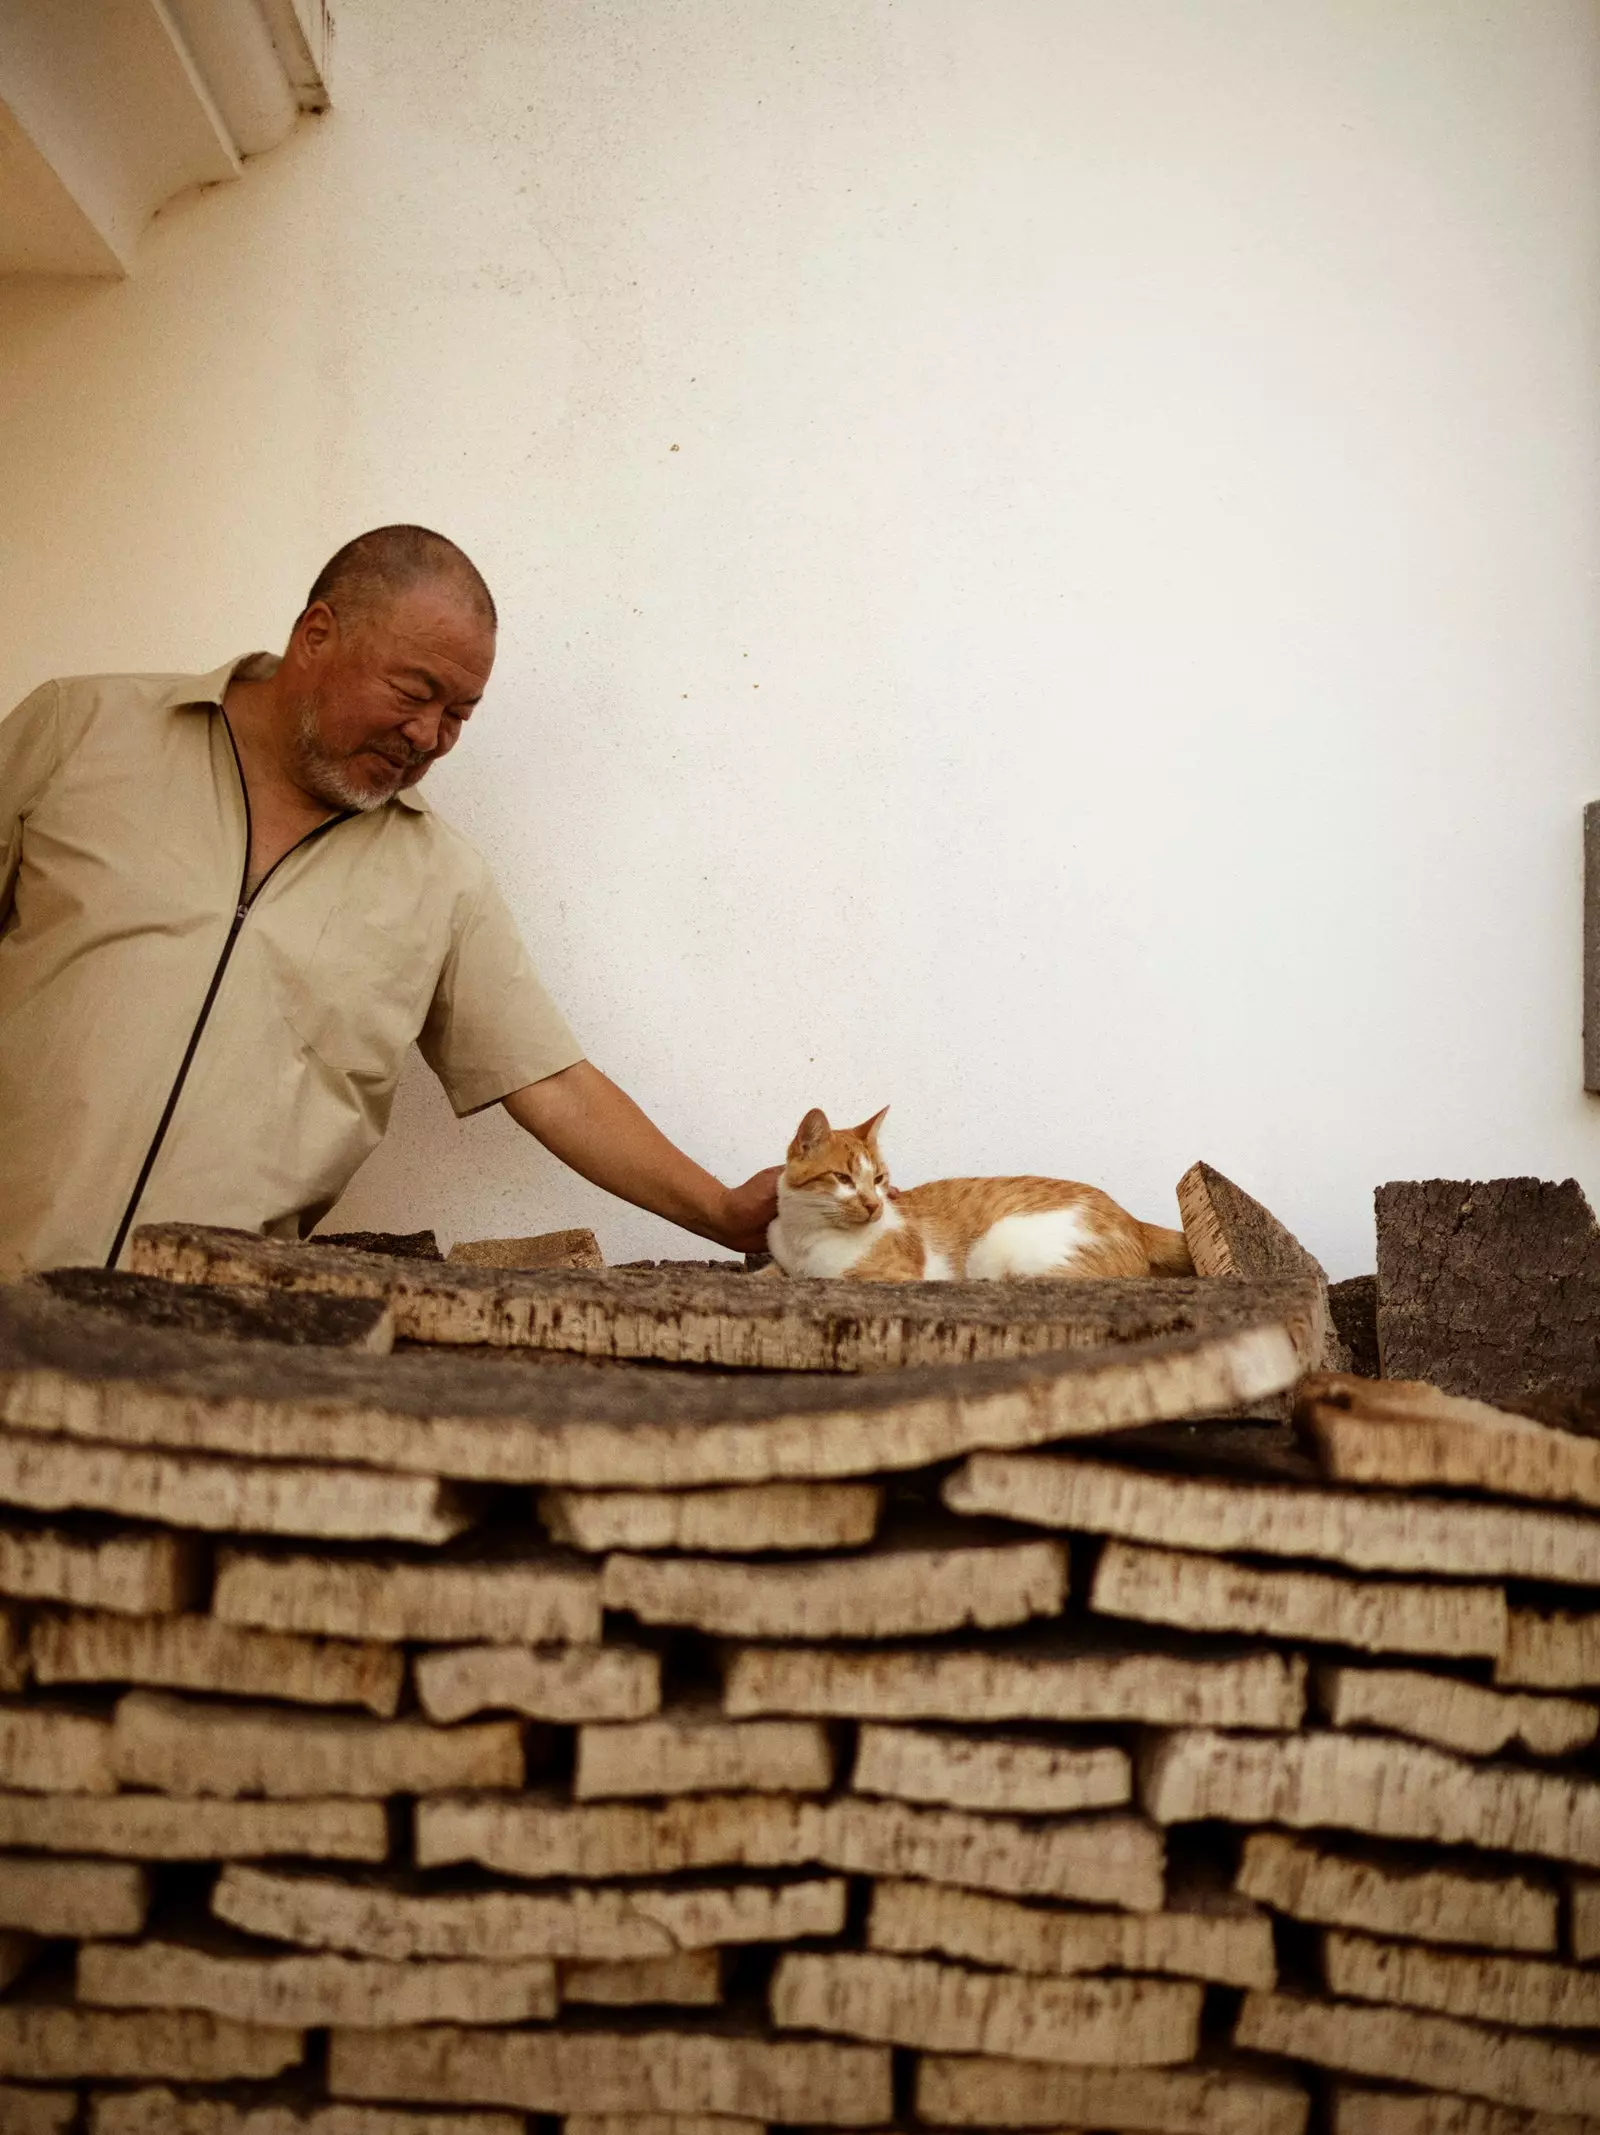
(30,746)
(492,1028)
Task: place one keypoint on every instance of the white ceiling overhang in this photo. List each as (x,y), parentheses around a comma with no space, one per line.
(110,107)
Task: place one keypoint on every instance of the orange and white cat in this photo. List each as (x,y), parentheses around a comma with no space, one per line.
(838,1215)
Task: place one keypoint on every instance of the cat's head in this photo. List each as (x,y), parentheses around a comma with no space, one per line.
(835,1175)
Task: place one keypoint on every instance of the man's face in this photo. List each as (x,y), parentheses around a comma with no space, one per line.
(386,695)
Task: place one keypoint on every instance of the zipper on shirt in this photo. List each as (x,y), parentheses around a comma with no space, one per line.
(240,914)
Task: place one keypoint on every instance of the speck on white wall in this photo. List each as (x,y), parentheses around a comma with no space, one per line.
(1048,553)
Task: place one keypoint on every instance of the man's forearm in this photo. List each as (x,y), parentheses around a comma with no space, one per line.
(583,1118)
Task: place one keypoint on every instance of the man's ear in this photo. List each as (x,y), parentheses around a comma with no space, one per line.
(811,1132)
(868,1131)
(315,629)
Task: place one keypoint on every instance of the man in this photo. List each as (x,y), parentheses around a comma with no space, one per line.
(226,912)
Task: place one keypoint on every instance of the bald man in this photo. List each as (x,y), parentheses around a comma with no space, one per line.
(226,912)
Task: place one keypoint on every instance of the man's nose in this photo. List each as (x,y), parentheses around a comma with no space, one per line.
(421,727)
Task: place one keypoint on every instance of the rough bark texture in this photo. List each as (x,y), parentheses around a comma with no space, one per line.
(701,1753)
(1488,1287)
(767,1516)
(198,1653)
(1353,1309)
(376,1919)
(571,1684)
(547,1249)
(1198,1593)
(1402,1432)
(529,1600)
(1435,2052)
(1067,1679)
(179,1746)
(891,1591)
(394,1245)
(147,1827)
(70,1374)
(1520,1991)
(788,2080)
(243,1315)
(917,2001)
(1230,1233)
(1212,1935)
(1379,1533)
(989,1771)
(1371,1783)
(972,2092)
(1457,1715)
(1109,1860)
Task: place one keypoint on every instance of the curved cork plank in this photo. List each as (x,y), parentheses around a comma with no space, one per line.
(1523,1992)
(1392,1893)
(765,1517)
(699,1752)
(985,2093)
(73,1899)
(1209,1935)
(532,1599)
(569,1685)
(1371,1783)
(1506,2067)
(36,2112)
(709,1316)
(45,2043)
(1011,1773)
(785,2080)
(193,1652)
(137,1575)
(1230,1233)
(71,1375)
(689,1979)
(1456,1714)
(163,2112)
(245,1315)
(1104,1859)
(1403,1433)
(1555,1651)
(390,1920)
(1368,2112)
(1367,1532)
(153,1827)
(919,2002)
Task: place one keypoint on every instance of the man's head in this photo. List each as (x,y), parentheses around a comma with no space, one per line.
(388,658)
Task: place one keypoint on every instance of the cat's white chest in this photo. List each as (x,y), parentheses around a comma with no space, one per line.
(824,1250)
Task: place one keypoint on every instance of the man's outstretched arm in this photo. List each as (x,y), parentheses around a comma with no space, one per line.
(583,1118)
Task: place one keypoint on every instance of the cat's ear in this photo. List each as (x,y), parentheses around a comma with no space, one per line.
(811,1132)
(868,1130)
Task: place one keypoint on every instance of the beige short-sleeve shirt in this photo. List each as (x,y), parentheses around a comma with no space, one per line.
(167,1054)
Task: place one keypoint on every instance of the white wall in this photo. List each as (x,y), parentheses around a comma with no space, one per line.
(1048,551)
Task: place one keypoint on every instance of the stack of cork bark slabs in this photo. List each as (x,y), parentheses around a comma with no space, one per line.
(908,1716)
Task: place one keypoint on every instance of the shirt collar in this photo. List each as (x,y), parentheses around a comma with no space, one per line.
(191,693)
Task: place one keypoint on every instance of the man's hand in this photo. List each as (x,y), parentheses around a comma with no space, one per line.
(584,1119)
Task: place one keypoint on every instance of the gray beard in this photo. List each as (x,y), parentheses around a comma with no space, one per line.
(327,778)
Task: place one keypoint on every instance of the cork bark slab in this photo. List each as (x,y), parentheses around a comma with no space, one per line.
(45,2043)
(1110,1860)
(595,2071)
(547,1249)
(1367,1532)
(14,1663)
(916,2001)
(399,1245)
(189,1748)
(379,1920)
(764,1516)
(568,1685)
(1508,2067)
(199,1653)
(73,1899)
(305,1992)
(1204,1593)
(48,1752)
(700,1753)
(659,2124)
(1218,1937)
(1390,1789)
(491,1420)
(245,1315)
(710,1316)
(1230,1233)
(970,2092)
(689,1979)
(192,1490)
(1406,1434)
(532,1601)
(1489,1288)
(1406,1894)
(1368,2112)
(1558,1650)
(137,1575)
(891,1592)
(149,1828)
(1585,1919)
(1457,1715)
(1523,1992)
(988,1771)
(1071,1680)
(164,2112)
(35,2112)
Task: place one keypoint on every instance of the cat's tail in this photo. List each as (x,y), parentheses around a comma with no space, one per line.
(1168,1250)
